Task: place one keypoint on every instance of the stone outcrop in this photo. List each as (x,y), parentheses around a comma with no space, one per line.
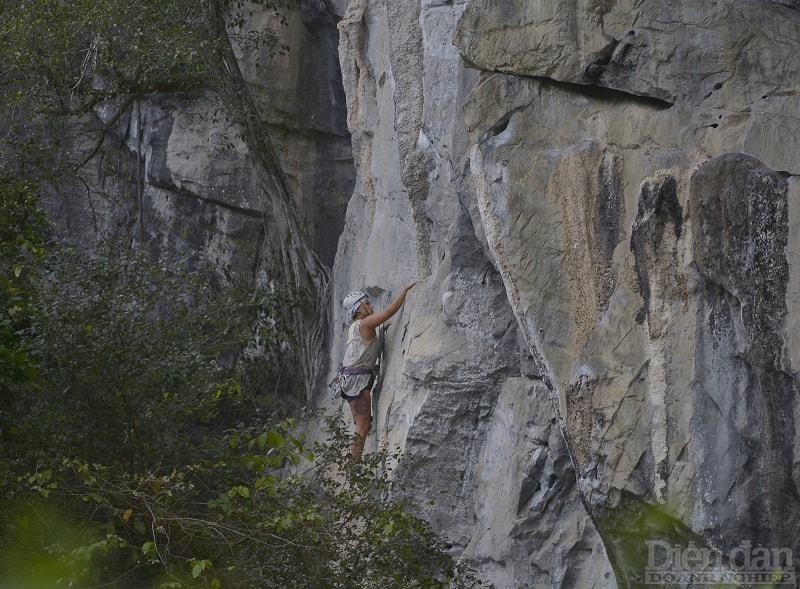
(464,396)
(604,351)
(174,174)
(602,200)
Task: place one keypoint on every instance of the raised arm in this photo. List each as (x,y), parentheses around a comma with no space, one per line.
(370,323)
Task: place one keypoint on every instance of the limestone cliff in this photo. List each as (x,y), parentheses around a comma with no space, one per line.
(263,204)
(603,200)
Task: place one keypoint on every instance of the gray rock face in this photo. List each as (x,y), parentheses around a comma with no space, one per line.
(198,186)
(175,175)
(602,200)
(612,185)
(740,211)
(463,394)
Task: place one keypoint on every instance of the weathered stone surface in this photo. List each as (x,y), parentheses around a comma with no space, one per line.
(628,171)
(529,530)
(462,395)
(191,159)
(602,198)
(263,203)
(641,48)
(301,96)
(745,390)
(676,385)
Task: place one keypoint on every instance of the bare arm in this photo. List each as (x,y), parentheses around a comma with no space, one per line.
(369,324)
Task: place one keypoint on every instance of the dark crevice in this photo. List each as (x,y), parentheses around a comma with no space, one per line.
(186,193)
(601,92)
(659,208)
(500,126)
(613,53)
(588,90)
(791,4)
(603,57)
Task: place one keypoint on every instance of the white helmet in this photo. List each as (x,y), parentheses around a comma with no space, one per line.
(353,301)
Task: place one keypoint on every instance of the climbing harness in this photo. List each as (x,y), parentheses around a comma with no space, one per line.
(338,386)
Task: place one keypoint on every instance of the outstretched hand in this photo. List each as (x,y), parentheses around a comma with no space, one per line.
(369,323)
(411,284)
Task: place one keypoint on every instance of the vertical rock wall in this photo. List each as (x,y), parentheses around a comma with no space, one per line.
(602,198)
(463,395)
(263,204)
(173,172)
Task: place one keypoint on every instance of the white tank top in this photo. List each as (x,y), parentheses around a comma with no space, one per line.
(360,353)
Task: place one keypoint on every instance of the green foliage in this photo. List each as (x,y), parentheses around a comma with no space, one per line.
(270,512)
(85,48)
(22,228)
(134,358)
(137,460)
(135,451)
(66,56)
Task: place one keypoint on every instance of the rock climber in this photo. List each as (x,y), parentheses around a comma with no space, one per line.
(360,357)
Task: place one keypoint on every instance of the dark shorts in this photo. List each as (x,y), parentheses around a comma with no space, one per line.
(366,389)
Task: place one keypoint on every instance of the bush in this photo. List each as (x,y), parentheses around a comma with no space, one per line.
(136,459)
(135,360)
(269,512)
(22,228)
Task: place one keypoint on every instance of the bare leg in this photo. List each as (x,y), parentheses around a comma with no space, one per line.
(361,408)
